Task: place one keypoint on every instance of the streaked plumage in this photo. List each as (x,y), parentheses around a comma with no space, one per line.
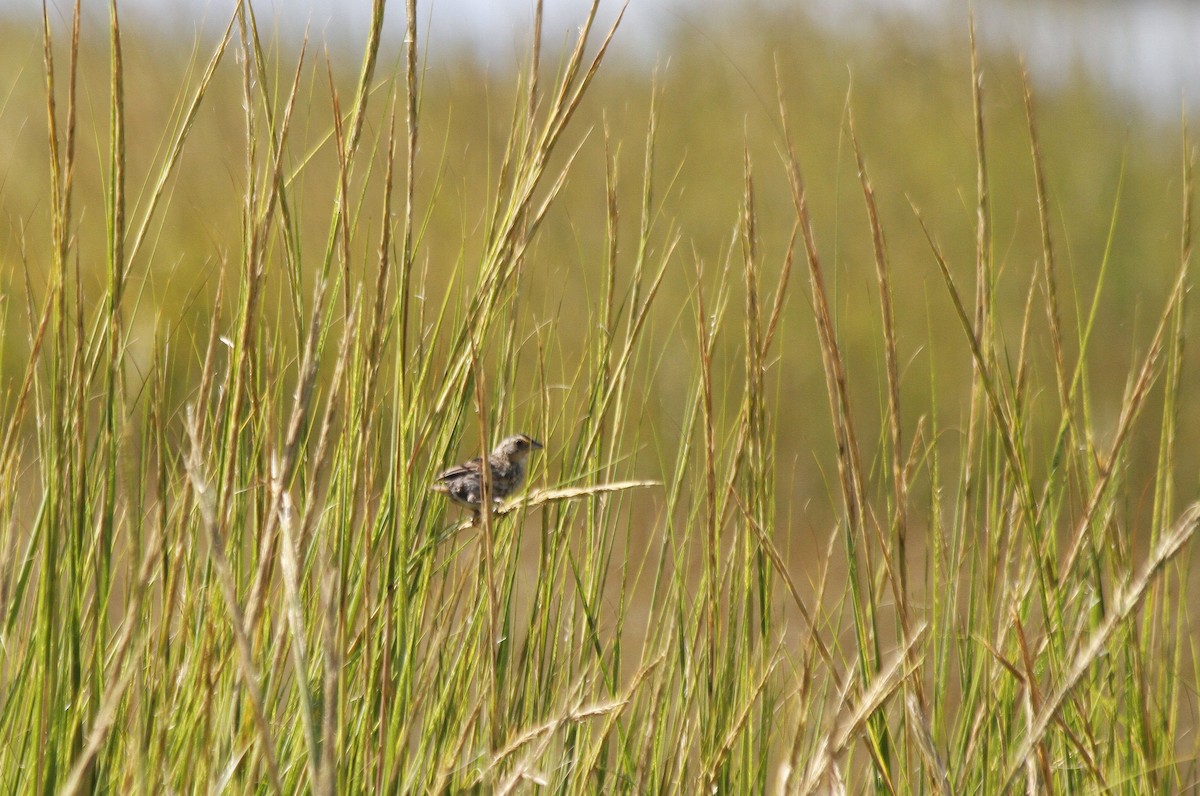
(463,483)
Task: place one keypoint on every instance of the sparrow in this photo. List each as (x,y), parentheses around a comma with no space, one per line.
(463,483)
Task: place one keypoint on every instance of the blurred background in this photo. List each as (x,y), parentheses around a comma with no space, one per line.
(1114,83)
(1143,50)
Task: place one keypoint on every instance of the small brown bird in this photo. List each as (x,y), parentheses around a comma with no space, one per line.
(463,483)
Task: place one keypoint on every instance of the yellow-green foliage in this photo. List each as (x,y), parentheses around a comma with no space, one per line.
(775,541)
(717,97)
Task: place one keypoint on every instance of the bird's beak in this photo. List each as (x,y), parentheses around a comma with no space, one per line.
(534,444)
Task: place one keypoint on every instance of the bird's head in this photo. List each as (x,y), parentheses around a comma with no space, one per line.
(517,447)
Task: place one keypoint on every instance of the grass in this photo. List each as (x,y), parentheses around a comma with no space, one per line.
(223,569)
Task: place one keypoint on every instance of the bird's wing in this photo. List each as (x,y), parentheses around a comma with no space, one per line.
(466,468)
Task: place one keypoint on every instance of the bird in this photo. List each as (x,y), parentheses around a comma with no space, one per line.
(463,483)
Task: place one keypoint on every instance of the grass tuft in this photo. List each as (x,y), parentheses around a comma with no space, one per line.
(221,566)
